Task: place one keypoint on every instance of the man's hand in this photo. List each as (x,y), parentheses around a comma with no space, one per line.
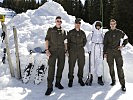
(120,47)
(66,53)
(105,55)
(48,53)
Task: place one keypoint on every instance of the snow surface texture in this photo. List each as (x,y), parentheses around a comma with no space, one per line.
(32,27)
(8,13)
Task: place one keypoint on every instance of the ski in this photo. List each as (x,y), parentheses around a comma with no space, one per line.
(27,73)
(42,67)
(40,72)
(4,49)
(4,56)
(28,69)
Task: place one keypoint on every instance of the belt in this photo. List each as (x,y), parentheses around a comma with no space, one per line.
(97,43)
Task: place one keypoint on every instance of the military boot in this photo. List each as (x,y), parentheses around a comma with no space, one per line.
(113,83)
(100,82)
(49,90)
(123,88)
(80,81)
(59,86)
(70,84)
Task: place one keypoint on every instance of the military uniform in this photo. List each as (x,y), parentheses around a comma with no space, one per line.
(112,40)
(56,37)
(76,43)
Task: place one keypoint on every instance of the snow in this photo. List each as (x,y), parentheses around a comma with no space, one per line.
(1,0)
(8,13)
(83,2)
(18,91)
(31,28)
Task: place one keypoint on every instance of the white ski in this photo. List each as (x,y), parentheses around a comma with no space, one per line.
(40,72)
(29,68)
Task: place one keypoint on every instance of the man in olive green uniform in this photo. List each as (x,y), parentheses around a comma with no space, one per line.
(76,42)
(55,49)
(114,41)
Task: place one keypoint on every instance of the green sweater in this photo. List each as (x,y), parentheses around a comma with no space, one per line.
(112,40)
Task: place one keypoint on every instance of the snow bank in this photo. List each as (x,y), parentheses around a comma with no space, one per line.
(8,13)
(32,27)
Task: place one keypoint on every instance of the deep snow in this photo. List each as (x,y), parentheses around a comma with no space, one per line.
(31,27)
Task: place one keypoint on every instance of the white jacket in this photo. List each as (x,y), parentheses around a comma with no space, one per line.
(96,36)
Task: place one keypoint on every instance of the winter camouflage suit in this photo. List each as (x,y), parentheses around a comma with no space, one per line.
(112,40)
(95,46)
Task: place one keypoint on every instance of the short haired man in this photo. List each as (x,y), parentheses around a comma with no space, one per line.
(112,50)
(76,42)
(55,49)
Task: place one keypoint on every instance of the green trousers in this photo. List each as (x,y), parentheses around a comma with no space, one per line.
(79,56)
(58,55)
(116,55)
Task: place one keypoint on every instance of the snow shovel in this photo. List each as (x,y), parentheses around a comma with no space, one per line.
(89,77)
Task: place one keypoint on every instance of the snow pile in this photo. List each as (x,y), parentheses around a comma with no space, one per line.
(48,8)
(8,13)
(32,27)
(128,62)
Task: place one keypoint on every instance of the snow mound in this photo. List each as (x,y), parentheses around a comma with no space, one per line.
(32,27)
(9,14)
(53,9)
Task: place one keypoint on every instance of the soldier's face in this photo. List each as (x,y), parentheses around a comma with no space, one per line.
(98,27)
(58,22)
(77,25)
(113,25)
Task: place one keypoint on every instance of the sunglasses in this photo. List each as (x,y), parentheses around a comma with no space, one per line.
(78,23)
(112,24)
(59,21)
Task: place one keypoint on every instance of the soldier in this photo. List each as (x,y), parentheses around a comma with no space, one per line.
(95,47)
(76,42)
(55,49)
(112,50)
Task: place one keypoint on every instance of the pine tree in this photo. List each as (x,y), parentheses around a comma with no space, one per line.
(43,1)
(88,10)
(125,8)
(96,11)
(114,13)
(78,9)
(69,7)
(106,13)
(38,4)
(5,3)
(33,4)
